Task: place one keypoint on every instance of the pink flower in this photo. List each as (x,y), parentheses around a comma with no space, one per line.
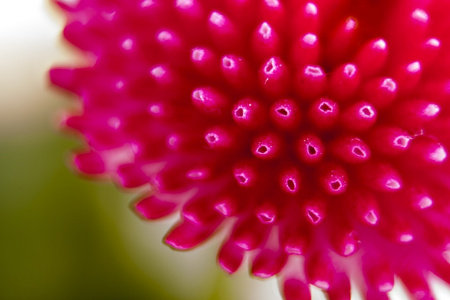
(318,130)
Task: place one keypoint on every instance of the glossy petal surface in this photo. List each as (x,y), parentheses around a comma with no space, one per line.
(315,128)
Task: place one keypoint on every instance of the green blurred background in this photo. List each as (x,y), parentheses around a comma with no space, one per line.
(64,237)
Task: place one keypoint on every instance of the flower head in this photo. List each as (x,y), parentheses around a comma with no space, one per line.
(319,129)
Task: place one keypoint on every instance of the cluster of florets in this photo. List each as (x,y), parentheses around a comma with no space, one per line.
(319,129)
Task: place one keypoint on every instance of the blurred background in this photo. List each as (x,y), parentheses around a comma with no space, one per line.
(63,237)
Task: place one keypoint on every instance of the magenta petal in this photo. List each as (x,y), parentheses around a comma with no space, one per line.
(344,240)
(324,113)
(379,276)
(224,32)
(285,114)
(186,235)
(248,113)
(295,239)
(319,271)
(90,163)
(381,92)
(171,180)
(265,41)
(310,82)
(249,234)
(372,57)
(268,263)
(344,82)
(77,34)
(131,176)
(64,78)
(153,208)
(416,284)
(205,61)
(373,294)
(380,176)
(230,257)
(340,289)
(200,210)
(295,289)
(442,269)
